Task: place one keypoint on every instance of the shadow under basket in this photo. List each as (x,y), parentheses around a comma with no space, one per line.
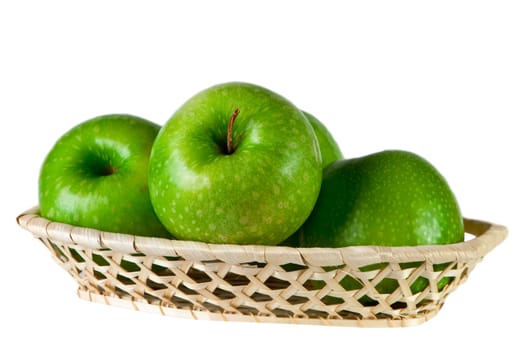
(368,286)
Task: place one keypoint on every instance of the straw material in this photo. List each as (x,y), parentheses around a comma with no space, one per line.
(367,286)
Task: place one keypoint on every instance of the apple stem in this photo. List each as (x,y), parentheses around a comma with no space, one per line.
(229,131)
(110,170)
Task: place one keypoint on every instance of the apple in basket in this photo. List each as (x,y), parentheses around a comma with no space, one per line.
(96,176)
(330,152)
(329,148)
(236,163)
(389,198)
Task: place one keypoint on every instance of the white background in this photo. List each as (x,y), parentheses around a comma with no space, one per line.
(447,80)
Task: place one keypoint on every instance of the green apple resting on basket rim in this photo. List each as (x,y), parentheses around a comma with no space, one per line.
(236,163)
(96,176)
(389,198)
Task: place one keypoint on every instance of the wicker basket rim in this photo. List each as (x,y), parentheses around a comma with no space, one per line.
(487,236)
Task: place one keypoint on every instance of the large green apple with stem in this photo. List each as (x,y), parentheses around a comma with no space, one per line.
(236,163)
(96,176)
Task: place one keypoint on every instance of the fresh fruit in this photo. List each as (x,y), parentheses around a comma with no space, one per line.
(236,163)
(329,149)
(330,152)
(96,176)
(390,198)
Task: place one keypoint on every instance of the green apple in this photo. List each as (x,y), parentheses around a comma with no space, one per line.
(236,163)
(330,152)
(96,176)
(329,148)
(389,198)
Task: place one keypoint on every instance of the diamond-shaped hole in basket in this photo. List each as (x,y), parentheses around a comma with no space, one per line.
(129,266)
(188,291)
(350,283)
(350,315)
(73,253)
(331,300)
(399,305)
(223,294)
(290,267)
(100,260)
(386,286)
(213,307)
(296,299)
(312,313)
(259,297)
(160,270)
(313,285)
(236,280)
(181,302)
(247,310)
(423,303)
(383,315)
(125,280)
(155,285)
(282,313)
(121,293)
(198,276)
(275,283)
(152,299)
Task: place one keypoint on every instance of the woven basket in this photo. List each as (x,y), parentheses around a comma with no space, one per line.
(367,286)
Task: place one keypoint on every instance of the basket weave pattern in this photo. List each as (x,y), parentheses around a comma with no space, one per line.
(358,286)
